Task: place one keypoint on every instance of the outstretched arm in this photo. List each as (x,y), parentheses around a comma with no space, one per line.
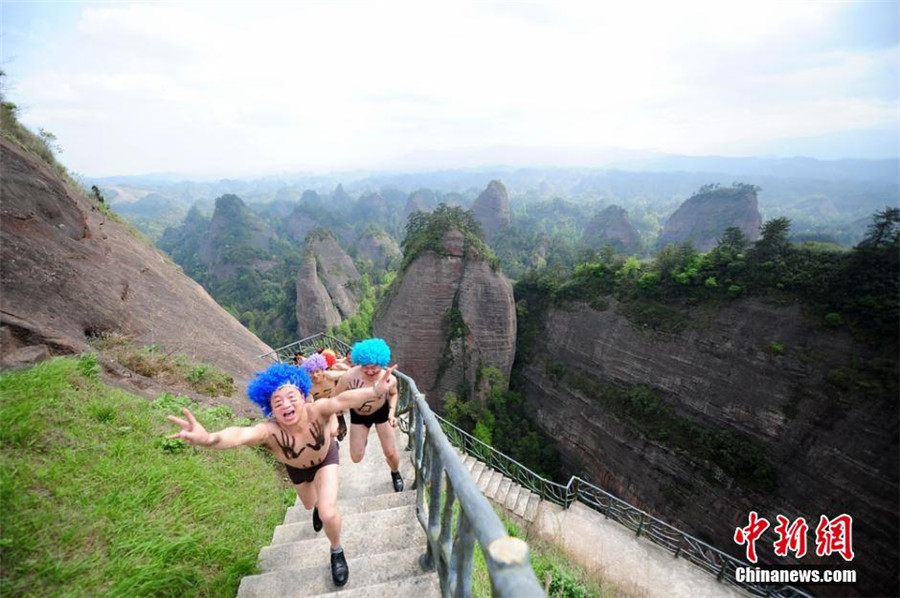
(354,398)
(195,434)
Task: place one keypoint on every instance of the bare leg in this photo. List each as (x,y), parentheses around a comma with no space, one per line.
(326,483)
(359,437)
(307,493)
(388,445)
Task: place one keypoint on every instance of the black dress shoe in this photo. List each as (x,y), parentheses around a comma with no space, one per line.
(339,570)
(398,481)
(317,523)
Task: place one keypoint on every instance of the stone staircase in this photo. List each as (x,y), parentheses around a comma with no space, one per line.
(380,534)
(503,491)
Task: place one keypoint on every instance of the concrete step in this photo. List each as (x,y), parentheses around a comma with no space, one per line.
(421,586)
(356,541)
(351,505)
(531,509)
(512,496)
(522,502)
(494,485)
(476,471)
(365,570)
(487,476)
(374,520)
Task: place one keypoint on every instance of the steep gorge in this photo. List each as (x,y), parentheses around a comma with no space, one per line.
(751,407)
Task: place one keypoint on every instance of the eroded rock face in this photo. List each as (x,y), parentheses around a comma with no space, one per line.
(703,218)
(612,227)
(380,248)
(315,310)
(235,234)
(831,455)
(327,287)
(449,316)
(68,271)
(491,208)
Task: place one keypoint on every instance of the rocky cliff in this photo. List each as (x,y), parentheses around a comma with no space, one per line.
(327,286)
(612,227)
(752,407)
(236,237)
(703,217)
(491,208)
(69,271)
(449,315)
(378,247)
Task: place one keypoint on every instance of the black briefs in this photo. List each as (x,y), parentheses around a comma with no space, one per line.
(379,417)
(299,476)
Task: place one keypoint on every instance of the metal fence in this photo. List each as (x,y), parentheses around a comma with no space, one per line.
(679,543)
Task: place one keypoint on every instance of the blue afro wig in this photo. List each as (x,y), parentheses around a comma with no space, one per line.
(262,387)
(315,362)
(373,351)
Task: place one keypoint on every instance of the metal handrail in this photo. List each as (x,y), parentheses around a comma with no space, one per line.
(307,345)
(679,543)
(454,513)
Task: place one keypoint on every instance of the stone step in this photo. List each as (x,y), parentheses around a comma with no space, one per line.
(374,520)
(531,509)
(522,502)
(356,541)
(494,485)
(484,481)
(421,586)
(349,506)
(476,471)
(365,570)
(512,496)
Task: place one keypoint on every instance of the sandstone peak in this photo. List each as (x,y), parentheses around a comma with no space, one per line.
(491,208)
(704,216)
(612,227)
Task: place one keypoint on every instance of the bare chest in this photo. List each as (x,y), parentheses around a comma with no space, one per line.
(303,447)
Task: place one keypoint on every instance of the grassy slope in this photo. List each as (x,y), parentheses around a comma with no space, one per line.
(95,500)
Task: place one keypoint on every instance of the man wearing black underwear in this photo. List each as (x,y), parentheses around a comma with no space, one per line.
(299,434)
(370,357)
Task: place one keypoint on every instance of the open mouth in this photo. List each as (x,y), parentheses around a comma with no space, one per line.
(289,413)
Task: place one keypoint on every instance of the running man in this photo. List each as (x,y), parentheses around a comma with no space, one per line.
(298,434)
(371,358)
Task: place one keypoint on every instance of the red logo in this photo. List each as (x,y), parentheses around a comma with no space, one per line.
(832,536)
(835,535)
(750,534)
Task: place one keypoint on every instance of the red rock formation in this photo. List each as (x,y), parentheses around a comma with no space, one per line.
(492,209)
(69,271)
(449,316)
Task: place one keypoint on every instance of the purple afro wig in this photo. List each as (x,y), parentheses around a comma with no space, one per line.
(262,387)
(373,351)
(315,362)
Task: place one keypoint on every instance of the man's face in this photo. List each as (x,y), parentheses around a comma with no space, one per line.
(286,402)
(317,376)
(371,370)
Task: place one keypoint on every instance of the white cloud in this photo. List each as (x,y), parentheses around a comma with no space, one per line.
(238,89)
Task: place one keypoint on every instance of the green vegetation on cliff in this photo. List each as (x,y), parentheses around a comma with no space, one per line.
(500,421)
(856,288)
(425,232)
(97,502)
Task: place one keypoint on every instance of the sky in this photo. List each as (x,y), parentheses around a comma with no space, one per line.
(239,89)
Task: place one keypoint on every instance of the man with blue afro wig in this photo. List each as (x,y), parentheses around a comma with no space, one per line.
(299,434)
(370,357)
